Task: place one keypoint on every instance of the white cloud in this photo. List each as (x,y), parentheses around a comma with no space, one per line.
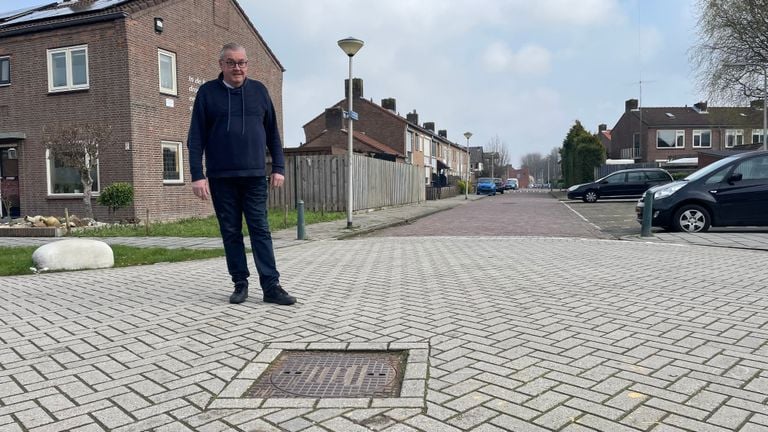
(528,60)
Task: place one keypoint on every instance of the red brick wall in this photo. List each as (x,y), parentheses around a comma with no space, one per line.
(195,31)
(124,92)
(31,107)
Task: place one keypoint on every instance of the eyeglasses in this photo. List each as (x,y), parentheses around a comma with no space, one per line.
(241,64)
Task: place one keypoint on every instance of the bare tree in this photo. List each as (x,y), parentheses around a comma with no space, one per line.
(499,158)
(77,146)
(731,32)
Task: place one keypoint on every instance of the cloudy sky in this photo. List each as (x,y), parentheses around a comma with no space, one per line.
(521,70)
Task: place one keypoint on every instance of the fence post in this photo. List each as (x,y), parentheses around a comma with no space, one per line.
(647,214)
(300,220)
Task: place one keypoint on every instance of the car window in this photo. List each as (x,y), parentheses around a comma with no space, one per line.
(615,178)
(753,169)
(636,177)
(657,175)
(718,176)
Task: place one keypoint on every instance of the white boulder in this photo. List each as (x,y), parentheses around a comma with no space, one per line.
(74,254)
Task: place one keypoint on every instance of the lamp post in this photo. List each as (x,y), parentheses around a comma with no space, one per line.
(350,46)
(467,135)
(765,96)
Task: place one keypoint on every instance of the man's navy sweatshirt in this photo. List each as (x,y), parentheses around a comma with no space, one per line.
(233,127)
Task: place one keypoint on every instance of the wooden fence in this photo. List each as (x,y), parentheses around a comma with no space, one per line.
(321,182)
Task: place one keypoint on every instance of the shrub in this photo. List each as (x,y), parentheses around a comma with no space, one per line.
(116,196)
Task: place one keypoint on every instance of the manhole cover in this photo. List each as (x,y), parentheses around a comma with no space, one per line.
(331,374)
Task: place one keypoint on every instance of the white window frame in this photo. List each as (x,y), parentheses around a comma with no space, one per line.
(69,86)
(173,90)
(179,161)
(738,137)
(698,133)
(679,141)
(6,59)
(757,136)
(49,179)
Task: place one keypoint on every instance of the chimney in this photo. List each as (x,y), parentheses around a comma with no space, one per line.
(430,126)
(357,88)
(389,104)
(443,133)
(756,104)
(412,117)
(700,106)
(333,118)
(630,105)
(602,127)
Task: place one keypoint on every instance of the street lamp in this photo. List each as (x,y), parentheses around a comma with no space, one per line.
(467,135)
(765,96)
(350,46)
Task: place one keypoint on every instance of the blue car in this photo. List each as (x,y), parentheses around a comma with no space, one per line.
(486,185)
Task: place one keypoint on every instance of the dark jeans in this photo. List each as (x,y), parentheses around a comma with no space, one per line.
(234,197)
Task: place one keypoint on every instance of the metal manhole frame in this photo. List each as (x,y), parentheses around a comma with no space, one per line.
(412,389)
(274,378)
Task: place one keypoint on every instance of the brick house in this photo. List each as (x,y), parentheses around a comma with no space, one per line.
(133,64)
(381,132)
(662,134)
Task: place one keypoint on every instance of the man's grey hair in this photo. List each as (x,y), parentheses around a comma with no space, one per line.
(232,46)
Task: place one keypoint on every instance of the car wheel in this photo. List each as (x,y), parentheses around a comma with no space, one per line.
(502,192)
(590,196)
(691,218)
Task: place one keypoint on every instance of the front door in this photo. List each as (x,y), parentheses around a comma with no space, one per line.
(10,196)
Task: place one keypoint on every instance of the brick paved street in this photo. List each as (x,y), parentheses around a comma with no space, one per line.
(572,335)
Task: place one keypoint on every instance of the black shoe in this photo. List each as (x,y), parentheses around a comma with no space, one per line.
(240,293)
(277,295)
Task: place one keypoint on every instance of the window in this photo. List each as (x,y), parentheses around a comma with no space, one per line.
(68,68)
(636,145)
(668,138)
(172,162)
(64,179)
(734,137)
(616,178)
(702,138)
(757,136)
(636,177)
(5,70)
(9,163)
(753,169)
(166,63)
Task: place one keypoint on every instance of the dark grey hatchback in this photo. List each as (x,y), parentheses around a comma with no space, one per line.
(629,183)
(730,192)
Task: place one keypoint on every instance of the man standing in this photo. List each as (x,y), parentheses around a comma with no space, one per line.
(233,124)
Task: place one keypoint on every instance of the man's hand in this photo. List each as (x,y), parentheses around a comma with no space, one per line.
(276,180)
(200,189)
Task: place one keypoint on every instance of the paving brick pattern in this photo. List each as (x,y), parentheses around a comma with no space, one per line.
(571,335)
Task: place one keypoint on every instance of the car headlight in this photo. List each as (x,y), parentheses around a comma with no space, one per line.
(573,188)
(667,191)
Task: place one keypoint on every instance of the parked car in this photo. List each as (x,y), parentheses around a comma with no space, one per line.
(730,192)
(499,185)
(630,183)
(486,185)
(511,184)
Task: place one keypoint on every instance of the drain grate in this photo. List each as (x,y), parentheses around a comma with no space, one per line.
(331,374)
